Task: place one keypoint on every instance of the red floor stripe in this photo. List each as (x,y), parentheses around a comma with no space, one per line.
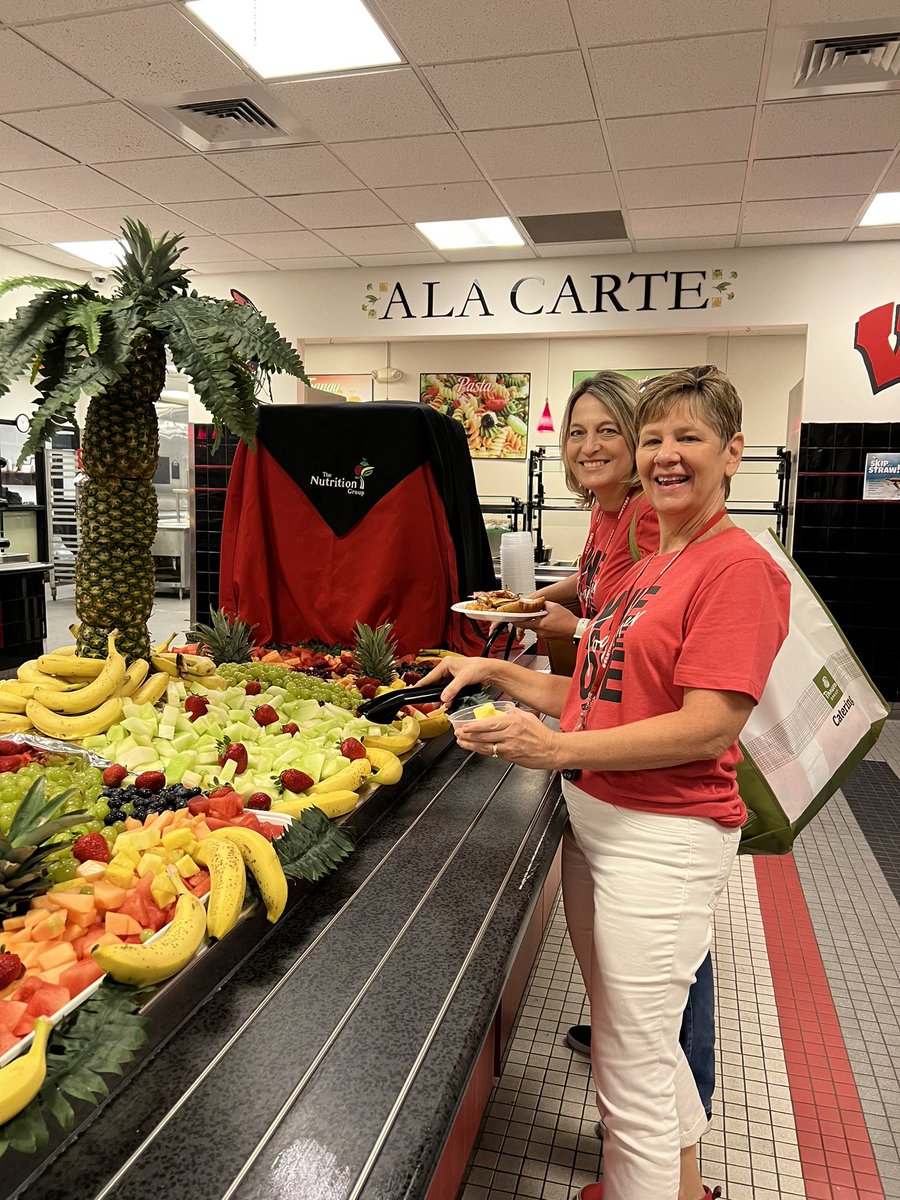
(835,1152)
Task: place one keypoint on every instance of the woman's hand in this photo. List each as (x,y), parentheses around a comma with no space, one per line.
(518,736)
(560,622)
(461,672)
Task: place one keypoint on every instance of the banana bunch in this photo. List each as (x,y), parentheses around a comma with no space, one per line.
(260,857)
(349,779)
(332,804)
(386,767)
(408,730)
(71,713)
(22,1079)
(227,883)
(192,668)
(143,964)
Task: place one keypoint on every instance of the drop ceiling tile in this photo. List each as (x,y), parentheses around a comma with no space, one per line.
(140,53)
(396,260)
(435,158)
(811,12)
(671,140)
(649,245)
(337,210)
(157,219)
(541,90)
(71,187)
(53,227)
(272,246)
(669,77)
(876,233)
(105,132)
(379,239)
(822,212)
(237,266)
(17,12)
(617,21)
(828,125)
(171,180)
(486,252)
(891,181)
(207,249)
(12,201)
(235,216)
(702,220)
(560,194)
(444,202)
(31,77)
(825,175)
(797,238)
(432,31)
(312,264)
(516,153)
(668,187)
(8,238)
(579,249)
(375,104)
(288,170)
(21,153)
(59,257)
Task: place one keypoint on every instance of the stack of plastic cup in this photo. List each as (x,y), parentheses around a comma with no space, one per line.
(517,562)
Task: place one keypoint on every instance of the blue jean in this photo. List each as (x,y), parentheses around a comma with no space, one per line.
(698,1033)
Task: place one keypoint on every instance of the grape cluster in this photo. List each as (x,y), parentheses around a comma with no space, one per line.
(141,802)
(297,684)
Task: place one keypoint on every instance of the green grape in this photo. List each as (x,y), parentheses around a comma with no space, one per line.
(101,809)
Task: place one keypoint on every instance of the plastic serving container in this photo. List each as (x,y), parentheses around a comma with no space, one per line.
(464,715)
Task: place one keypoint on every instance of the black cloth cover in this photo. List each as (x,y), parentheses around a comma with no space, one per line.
(354,512)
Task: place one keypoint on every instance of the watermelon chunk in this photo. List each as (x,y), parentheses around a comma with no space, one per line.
(7,1040)
(88,939)
(29,985)
(26,1025)
(11,1013)
(79,976)
(48,1001)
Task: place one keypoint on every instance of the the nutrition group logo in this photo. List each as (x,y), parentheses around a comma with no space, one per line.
(362,471)
(354,484)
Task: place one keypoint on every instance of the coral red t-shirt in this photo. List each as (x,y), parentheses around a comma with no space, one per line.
(607,556)
(713,617)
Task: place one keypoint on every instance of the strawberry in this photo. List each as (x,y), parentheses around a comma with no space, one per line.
(196,706)
(265,715)
(11,968)
(352,749)
(225,790)
(234,752)
(91,846)
(368,690)
(411,678)
(259,800)
(294,781)
(13,762)
(114,774)
(290,728)
(252,687)
(7,748)
(153,781)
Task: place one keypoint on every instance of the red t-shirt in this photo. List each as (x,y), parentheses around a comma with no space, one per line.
(607,552)
(713,617)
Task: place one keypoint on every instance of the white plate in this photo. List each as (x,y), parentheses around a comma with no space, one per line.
(478,614)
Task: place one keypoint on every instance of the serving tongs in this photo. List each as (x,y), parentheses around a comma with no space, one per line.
(383,709)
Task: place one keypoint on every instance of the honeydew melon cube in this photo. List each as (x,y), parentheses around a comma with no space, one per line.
(130,710)
(304,710)
(117,733)
(184,724)
(170,714)
(202,724)
(138,756)
(228,771)
(191,779)
(127,743)
(176,767)
(175,693)
(235,732)
(286,757)
(240,717)
(184,741)
(312,763)
(206,758)
(331,766)
(167,732)
(139,725)
(143,739)
(94,743)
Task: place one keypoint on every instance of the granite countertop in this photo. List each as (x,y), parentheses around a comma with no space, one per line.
(330,1064)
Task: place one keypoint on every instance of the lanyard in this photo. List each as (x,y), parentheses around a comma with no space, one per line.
(588,595)
(613,636)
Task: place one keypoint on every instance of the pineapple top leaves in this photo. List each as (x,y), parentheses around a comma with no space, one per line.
(26,846)
(375,651)
(33,824)
(228,639)
(72,340)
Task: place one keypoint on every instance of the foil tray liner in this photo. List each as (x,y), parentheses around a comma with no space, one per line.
(54,746)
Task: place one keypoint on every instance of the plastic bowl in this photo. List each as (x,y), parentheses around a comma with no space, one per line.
(462,715)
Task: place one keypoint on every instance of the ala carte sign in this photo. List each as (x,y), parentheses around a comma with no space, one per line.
(539,295)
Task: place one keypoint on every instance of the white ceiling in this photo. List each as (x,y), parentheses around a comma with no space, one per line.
(518,107)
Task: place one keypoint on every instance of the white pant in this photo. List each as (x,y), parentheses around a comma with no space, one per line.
(640,918)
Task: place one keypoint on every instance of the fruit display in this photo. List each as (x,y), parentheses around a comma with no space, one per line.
(21,1080)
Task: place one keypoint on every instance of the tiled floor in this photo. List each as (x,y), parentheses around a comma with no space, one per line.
(169,613)
(807,958)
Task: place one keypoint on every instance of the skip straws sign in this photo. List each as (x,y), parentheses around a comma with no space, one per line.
(551,295)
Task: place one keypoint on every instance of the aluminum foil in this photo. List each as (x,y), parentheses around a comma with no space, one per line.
(53,746)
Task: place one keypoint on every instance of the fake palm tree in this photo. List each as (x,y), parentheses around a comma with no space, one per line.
(72,340)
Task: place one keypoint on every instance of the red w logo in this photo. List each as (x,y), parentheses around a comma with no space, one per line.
(876,338)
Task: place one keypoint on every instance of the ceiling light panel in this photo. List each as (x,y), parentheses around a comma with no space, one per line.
(101,254)
(465,235)
(283,39)
(884,210)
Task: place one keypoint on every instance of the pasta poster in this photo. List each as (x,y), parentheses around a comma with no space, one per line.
(492,409)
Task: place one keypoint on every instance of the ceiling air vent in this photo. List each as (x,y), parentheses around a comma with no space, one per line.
(221,120)
(811,60)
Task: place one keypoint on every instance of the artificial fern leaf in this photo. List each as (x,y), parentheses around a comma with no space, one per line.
(38,281)
(250,335)
(312,846)
(98,1039)
(86,317)
(24,335)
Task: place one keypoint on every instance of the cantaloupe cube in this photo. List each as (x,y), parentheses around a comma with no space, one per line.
(165,819)
(12,924)
(51,928)
(29,954)
(57,956)
(78,904)
(47,902)
(121,925)
(201,829)
(34,916)
(108,895)
(132,823)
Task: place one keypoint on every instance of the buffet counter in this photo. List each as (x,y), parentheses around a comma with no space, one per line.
(328,1057)
(23,610)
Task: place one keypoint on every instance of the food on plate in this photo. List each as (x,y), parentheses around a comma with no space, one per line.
(503,601)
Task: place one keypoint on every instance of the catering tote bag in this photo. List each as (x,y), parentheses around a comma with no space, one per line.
(819,715)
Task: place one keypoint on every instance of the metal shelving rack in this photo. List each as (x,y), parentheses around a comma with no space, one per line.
(63,513)
(778,457)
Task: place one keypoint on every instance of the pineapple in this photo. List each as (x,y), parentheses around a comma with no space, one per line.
(227,640)
(24,849)
(375,651)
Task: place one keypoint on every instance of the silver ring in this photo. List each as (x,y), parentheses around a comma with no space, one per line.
(494,753)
